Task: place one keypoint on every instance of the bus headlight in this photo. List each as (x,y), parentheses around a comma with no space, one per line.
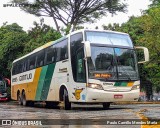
(135,87)
(95,86)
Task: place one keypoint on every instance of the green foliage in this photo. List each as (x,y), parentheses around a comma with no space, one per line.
(144,31)
(155,3)
(151,39)
(12,41)
(114,27)
(39,35)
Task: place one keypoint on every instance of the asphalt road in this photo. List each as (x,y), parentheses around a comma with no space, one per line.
(81,116)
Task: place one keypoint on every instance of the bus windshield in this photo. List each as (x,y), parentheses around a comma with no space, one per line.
(109,38)
(107,63)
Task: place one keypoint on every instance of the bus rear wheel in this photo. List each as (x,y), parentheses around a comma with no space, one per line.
(67,104)
(106,105)
(19,99)
(24,101)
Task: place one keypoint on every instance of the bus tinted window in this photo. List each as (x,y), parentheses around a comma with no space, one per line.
(14,69)
(109,38)
(20,66)
(76,40)
(40,58)
(24,68)
(57,52)
(62,51)
(32,60)
(51,54)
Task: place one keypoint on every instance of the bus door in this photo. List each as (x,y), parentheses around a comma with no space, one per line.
(80,91)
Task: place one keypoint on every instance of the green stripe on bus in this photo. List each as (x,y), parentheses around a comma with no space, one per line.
(48,79)
(121,84)
(41,82)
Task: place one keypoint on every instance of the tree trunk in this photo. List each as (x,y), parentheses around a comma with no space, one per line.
(55,21)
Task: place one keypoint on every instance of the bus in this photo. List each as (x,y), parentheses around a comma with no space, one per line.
(5,90)
(86,66)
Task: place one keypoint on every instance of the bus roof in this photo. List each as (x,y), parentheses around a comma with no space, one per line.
(62,38)
(98,30)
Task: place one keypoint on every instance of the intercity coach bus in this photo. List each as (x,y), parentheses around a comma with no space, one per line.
(86,66)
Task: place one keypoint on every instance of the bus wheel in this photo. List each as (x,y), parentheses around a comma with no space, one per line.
(106,106)
(67,104)
(19,99)
(24,102)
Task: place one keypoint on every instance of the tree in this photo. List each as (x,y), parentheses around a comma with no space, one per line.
(155,3)
(151,39)
(12,42)
(39,35)
(73,12)
(114,27)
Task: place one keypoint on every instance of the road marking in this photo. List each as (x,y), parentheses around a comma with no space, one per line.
(143,117)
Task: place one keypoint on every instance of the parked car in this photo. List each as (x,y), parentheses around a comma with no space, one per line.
(5,90)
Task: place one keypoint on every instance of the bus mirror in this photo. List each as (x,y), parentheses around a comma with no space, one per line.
(145,54)
(87,49)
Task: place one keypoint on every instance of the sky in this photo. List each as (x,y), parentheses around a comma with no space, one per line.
(15,15)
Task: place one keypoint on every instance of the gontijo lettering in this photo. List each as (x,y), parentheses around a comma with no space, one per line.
(25,77)
(22,77)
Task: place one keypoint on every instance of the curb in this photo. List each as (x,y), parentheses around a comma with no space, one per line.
(116,103)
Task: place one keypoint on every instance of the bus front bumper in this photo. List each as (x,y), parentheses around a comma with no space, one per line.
(100,96)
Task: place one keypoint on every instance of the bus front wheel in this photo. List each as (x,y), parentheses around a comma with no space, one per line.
(67,104)
(106,106)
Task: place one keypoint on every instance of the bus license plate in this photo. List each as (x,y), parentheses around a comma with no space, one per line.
(119,96)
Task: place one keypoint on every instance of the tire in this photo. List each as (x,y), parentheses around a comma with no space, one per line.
(24,101)
(106,105)
(67,104)
(19,99)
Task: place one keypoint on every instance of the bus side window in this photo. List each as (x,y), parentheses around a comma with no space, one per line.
(24,65)
(76,40)
(80,77)
(50,54)
(14,72)
(32,60)
(40,59)
(63,46)
(20,66)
